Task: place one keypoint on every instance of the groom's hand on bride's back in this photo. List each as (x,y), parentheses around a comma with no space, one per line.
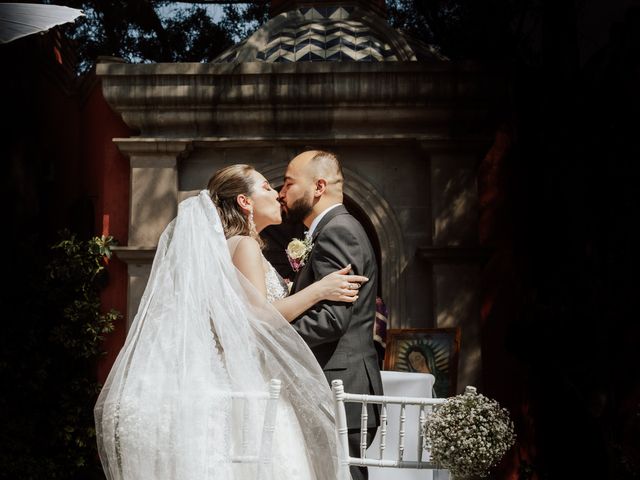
(341,286)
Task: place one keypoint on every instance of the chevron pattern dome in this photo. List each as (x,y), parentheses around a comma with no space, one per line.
(337,33)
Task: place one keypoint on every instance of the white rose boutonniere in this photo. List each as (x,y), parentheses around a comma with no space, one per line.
(298,252)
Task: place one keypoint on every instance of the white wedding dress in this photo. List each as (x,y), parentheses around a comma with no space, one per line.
(290,461)
(202,333)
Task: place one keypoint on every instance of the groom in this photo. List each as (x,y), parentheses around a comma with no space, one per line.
(339,334)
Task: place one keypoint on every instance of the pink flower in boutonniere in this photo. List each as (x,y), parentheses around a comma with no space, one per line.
(298,252)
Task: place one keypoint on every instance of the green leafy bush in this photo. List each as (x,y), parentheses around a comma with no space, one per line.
(54,335)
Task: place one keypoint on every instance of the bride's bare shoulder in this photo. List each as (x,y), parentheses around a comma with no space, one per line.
(245,247)
(248,259)
(237,239)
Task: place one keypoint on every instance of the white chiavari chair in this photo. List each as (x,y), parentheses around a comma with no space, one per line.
(385,458)
(263,458)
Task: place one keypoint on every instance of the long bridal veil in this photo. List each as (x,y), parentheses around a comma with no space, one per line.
(201,332)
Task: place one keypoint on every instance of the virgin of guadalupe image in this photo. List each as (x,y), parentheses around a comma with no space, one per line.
(423,356)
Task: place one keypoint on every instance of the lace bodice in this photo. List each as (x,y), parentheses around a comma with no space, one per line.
(276,286)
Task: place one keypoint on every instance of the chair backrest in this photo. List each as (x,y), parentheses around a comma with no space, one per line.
(425,407)
(263,458)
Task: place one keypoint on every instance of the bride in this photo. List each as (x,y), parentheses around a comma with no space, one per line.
(213,320)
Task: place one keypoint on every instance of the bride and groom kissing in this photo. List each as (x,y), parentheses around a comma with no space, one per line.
(217,318)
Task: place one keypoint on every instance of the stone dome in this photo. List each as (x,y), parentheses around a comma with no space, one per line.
(320,34)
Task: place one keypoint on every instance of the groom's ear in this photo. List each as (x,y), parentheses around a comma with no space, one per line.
(321,187)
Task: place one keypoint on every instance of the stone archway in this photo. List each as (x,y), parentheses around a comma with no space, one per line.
(393,259)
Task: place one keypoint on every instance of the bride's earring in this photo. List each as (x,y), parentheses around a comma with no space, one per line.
(252,225)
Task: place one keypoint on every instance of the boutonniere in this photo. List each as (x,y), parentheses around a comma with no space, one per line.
(298,252)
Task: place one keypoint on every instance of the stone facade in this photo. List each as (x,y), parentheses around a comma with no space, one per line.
(409,133)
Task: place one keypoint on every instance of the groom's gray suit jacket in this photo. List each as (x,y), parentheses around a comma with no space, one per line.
(341,334)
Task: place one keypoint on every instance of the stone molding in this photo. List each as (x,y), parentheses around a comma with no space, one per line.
(174,100)
(141,146)
(182,147)
(135,255)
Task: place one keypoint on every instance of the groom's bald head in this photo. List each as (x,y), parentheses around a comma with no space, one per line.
(319,164)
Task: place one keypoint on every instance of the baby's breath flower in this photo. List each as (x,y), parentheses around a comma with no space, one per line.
(469,434)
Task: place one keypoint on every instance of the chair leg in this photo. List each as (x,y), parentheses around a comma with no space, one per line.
(342,433)
(265,460)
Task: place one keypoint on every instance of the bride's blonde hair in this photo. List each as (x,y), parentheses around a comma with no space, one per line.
(224,187)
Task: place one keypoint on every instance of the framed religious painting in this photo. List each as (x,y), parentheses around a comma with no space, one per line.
(426,350)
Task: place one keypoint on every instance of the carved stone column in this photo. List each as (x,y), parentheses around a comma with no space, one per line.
(153,204)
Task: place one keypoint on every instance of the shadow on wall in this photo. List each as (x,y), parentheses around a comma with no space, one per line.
(153,204)
(455,206)
(458,305)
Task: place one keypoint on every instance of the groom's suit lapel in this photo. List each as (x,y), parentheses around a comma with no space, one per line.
(334,212)
(331,214)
